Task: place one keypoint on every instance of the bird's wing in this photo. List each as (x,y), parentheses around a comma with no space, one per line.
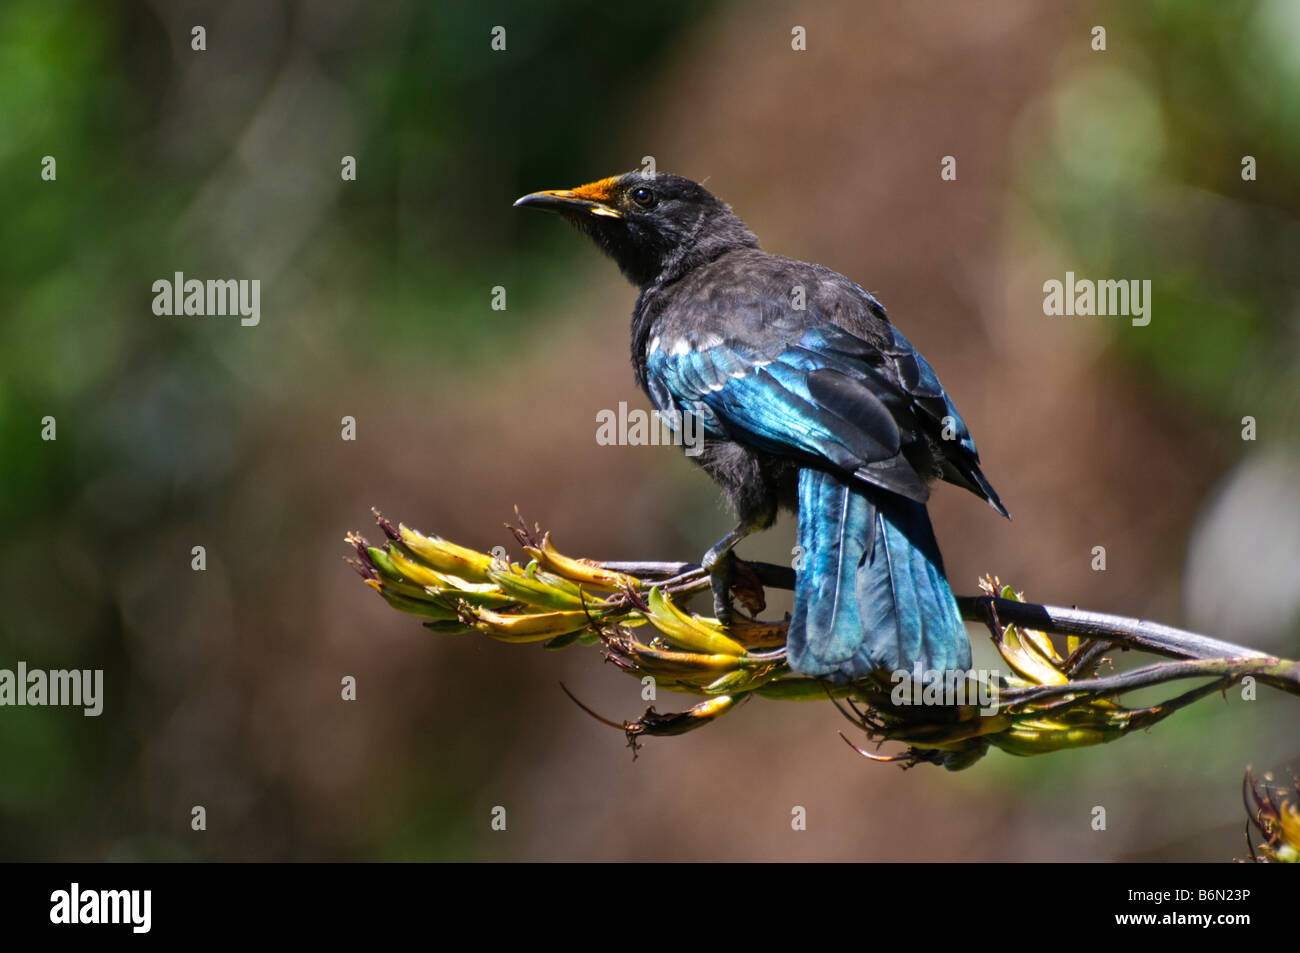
(918,401)
(800,401)
(828,396)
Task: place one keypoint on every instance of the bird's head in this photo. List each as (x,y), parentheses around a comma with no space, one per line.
(654,225)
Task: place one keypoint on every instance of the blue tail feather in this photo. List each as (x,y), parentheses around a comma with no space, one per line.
(870,590)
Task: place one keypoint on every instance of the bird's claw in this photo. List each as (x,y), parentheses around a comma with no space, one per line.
(722,570)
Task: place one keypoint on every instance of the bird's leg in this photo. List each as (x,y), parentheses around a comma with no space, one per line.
(720,562)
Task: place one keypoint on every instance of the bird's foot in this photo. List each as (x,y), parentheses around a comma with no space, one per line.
(722,570)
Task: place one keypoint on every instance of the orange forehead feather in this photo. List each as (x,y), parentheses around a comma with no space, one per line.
(599,191)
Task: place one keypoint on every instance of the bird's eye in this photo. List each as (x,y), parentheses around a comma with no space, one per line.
(643,197)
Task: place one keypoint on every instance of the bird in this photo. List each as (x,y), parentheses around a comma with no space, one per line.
(809,400)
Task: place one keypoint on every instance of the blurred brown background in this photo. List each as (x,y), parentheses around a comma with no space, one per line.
(223,686)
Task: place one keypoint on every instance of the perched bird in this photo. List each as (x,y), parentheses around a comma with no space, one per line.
(809,399)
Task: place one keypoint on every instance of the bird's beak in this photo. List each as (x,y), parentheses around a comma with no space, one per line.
(592,199)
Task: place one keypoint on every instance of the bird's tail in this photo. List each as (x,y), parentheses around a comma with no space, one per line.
(870,590)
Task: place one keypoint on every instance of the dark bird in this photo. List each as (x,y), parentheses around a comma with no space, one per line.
(809,399)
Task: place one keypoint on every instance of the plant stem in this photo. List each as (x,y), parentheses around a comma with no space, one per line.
(1129,632)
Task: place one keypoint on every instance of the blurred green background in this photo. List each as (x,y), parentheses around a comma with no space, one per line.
(222,687)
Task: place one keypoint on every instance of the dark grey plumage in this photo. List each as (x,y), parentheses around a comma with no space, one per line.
(809,398)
